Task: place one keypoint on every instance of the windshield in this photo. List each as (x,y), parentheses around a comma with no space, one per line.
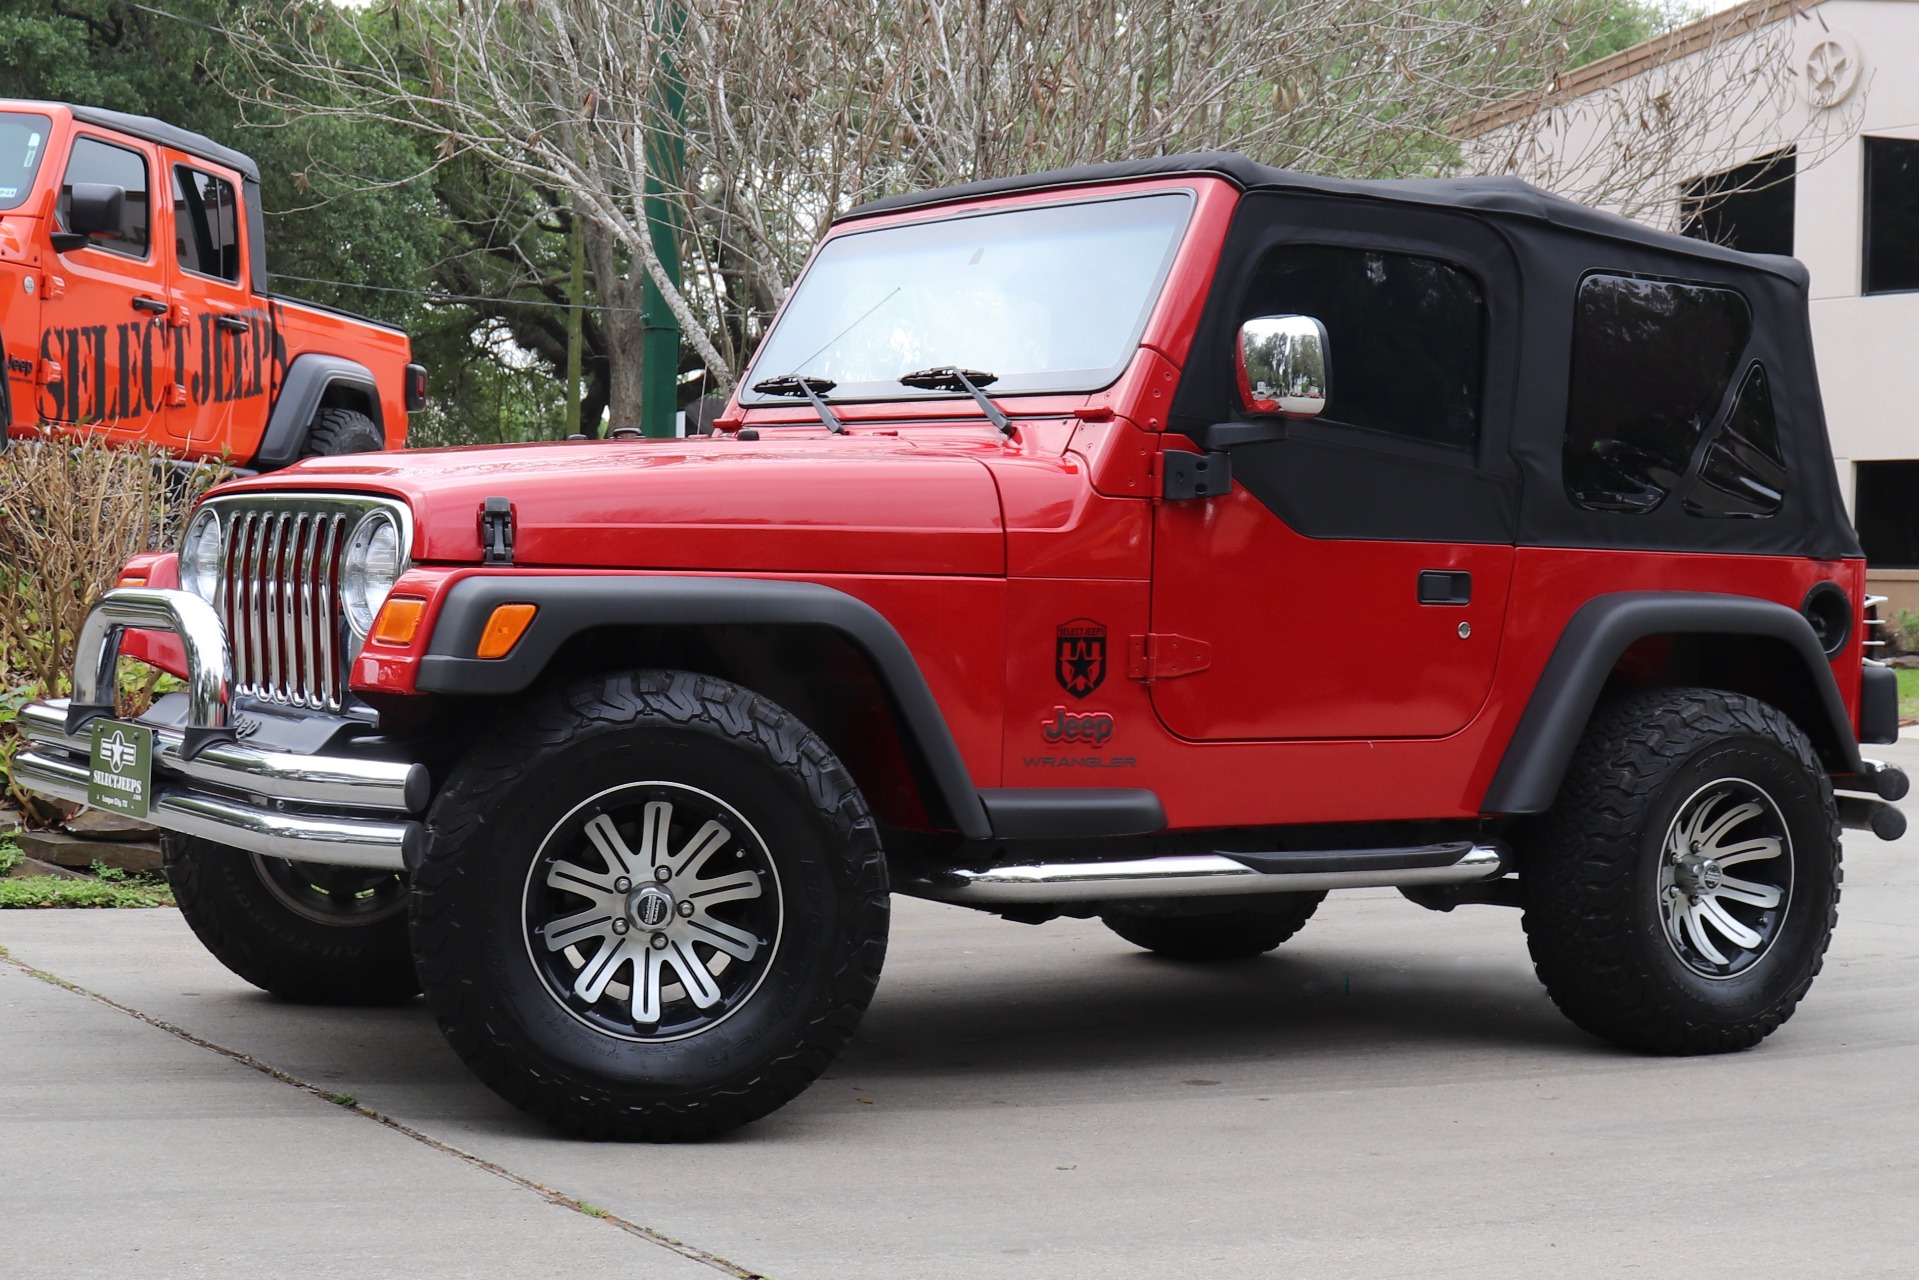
(23,140)
(1046,299)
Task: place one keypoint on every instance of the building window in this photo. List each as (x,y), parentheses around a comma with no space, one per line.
(1885,511)
(1406,336)
(1892,215)
(1748,208)
(1652,360)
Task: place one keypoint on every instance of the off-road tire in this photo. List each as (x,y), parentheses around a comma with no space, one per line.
(230,908)
(338,431)
(1222,935)
(1589,869)
(557,751)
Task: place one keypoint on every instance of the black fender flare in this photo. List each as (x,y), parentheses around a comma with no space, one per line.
(307,381)
(571,604)
(1599,633)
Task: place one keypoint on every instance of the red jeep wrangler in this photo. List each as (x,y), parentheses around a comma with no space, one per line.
(134,305)
(1171,542)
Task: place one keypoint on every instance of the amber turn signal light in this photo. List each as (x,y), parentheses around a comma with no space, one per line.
(399,620)
(132,580)
(504,629)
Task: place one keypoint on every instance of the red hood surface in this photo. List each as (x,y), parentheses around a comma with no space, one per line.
(859,503)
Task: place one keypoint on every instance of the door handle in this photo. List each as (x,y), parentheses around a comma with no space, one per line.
(153,305)
(1445,586)
(235,323)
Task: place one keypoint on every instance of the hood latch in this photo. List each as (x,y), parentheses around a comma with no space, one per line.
(496,531)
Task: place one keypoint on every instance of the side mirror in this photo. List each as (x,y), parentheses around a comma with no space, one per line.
(93,209)
(1281,362)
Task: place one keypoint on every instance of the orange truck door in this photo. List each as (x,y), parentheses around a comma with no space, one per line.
(227,373)
(105,309)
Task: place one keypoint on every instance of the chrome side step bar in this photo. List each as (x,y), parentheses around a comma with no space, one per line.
(1211,874)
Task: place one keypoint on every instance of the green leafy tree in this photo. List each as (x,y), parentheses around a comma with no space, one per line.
(358,215)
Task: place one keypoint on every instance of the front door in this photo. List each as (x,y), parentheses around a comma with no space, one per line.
(1353,583)
(104,313)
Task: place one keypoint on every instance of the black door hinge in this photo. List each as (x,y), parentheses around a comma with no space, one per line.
(1195,475)
(496,531)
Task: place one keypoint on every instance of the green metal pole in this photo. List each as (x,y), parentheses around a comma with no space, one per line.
(666,168)
(575,320)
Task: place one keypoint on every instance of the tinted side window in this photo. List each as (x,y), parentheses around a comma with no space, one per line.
(1744,470)
(1748,208)
(1885,502)
(96,161)
(206,224)
(1651,362)
(1892,215)
(1406,336)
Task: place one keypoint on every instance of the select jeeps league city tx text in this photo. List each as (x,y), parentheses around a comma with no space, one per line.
(1170,542)
(135,307)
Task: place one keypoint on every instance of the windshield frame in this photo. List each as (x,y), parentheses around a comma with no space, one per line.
(10,203)
(1155,296)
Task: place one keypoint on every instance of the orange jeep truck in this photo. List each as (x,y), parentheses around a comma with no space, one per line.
(134,303)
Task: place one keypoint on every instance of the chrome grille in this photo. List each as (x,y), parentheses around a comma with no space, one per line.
(279,594)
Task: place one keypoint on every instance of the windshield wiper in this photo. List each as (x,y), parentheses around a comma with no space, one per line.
(792,385)
(953,378)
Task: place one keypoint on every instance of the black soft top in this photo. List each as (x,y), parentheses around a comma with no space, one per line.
(1503,197)
(147,129)
(1533,251)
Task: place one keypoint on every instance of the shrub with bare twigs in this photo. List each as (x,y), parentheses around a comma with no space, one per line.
(70,516)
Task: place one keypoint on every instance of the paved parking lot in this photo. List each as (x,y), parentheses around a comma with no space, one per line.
(1390,1094)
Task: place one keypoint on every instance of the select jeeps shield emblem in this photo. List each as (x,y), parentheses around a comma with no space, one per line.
(1079,656)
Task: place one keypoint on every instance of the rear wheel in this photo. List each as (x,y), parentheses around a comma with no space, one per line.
(1681,893)
(653,906)
(316,934)
(338,431)
(1217,935)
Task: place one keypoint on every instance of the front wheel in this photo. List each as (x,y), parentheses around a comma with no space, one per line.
(315,934)
(653,906)
(1680,894)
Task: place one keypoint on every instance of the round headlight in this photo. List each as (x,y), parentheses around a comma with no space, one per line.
(373,563)
(200,555)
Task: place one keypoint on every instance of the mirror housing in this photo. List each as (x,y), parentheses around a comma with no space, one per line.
(1281,364)
(93,209)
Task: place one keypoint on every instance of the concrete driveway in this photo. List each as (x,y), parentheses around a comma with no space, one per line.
(1390,1094)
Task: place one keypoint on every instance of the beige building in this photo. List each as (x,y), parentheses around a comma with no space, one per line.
(1789,128)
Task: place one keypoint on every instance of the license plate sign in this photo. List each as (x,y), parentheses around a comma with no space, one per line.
(121,778)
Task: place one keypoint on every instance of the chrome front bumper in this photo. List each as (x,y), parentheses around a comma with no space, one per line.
(327,808)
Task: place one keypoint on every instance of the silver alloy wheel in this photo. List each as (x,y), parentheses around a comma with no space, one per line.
(652,911)
(1719,923)
(344,897)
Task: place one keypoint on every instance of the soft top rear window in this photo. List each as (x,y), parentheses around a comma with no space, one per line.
(23,141)
(1651,363)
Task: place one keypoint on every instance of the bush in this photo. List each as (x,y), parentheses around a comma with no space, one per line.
(1905,631)
(71,514)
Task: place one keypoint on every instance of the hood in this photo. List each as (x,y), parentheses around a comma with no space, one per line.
(809,504)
